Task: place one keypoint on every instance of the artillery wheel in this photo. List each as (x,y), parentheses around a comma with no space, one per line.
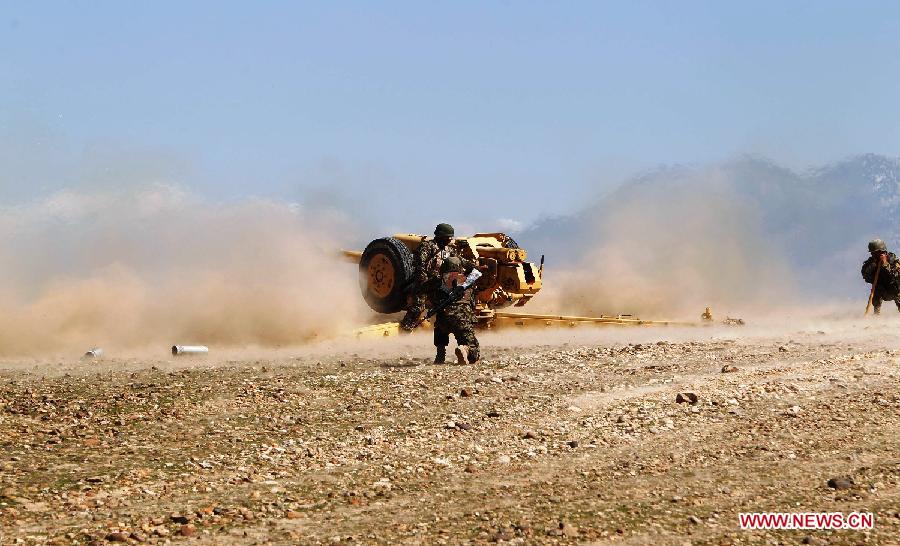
(385,273)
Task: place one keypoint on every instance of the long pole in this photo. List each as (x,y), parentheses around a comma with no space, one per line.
(874,284)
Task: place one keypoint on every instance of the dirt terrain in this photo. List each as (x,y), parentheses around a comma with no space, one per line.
(556,438)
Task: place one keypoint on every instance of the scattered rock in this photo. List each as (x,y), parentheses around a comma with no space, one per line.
(465,392)
(117,537)
(686,398)
(493,413)
(572,443)
(187,530)
(529,436)
(568,530)
(291,514)
(840,483)
(729,368)
(695,520)
(176,518)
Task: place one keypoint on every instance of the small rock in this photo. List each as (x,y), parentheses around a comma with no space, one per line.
(686,398)
(176,518)
(529,436)
(291,514)
(465,392)
(117,537)
(568,529)
(493,413)
(504,459)
(572,443)
(471,469)
(188,530)
(840,483)
(463,426)
(813,541)
(695,520)
(729,369)
(782,349)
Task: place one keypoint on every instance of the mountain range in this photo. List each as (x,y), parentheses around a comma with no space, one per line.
(814,223)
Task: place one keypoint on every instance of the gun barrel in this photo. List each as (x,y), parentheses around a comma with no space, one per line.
(352,256)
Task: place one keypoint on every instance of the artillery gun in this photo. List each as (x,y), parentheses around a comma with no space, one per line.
(508,280)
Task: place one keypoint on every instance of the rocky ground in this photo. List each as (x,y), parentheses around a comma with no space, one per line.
(564,438)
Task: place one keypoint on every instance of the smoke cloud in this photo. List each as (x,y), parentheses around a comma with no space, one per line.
(668,248)
(154,264)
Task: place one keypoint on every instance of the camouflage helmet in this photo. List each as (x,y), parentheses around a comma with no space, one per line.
(443,230)
(452,264)
(877,246)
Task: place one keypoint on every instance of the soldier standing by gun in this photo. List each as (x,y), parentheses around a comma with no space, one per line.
(882,271)
(427,266)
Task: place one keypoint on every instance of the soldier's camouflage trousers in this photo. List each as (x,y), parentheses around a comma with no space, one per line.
(878,298)
(459,321)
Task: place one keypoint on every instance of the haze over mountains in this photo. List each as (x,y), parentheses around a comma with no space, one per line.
(749,218)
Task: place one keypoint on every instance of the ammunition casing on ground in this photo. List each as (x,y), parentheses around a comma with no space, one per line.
(187,350)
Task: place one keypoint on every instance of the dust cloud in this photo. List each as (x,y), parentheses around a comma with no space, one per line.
(667,250)
(154,266)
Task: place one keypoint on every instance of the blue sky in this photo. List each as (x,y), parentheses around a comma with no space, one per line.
(410,113)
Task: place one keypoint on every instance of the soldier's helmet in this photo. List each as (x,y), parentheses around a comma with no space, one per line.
(877,246)
(443,230)
(452,265)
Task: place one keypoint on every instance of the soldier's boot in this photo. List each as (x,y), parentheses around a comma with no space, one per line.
(474,355)
(440,356)
(462,355)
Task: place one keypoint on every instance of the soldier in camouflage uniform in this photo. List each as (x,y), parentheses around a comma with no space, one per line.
(426,272)
(457,318)
(888,287)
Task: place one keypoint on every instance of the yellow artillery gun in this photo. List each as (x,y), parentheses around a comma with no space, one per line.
(508,280)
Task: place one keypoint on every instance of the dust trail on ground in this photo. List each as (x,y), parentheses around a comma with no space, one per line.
(154,265)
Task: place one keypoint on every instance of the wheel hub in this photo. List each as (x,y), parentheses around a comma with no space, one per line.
(381,275)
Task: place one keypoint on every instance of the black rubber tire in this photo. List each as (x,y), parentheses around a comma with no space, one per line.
(402,261)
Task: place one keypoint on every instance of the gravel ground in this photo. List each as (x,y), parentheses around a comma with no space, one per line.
(556,438)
